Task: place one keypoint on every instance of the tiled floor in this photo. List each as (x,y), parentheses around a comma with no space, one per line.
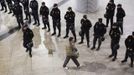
(15,61)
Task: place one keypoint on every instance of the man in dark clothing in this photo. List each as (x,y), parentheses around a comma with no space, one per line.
(129,42)
(25,4)
(110,10)
(85,27)
(17,9)
(99,31)
(27,39)
(34,7)
(3,5)
(115,38)
(120,15)
(44,12)
(70,22)
(55,14)
(9,3)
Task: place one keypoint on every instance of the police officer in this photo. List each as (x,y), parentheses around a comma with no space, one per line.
(9,3)
(27,39)
(129,42)
(17,9)
(70,22)
(110,10)
(55,14)
(44,12)
(3,5)
(34,7)
(120,15)
(85,27)
(99,31)
(25,4)
(115,38)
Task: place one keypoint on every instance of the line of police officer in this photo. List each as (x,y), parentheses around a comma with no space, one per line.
(99,27)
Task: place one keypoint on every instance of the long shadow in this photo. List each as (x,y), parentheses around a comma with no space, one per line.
(11,31)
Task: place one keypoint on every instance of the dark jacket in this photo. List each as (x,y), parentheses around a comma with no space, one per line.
(110,10)
(44,11)
(17,8)
(129,42)
(55,13)
(34,5)
(99,29)
(115,35)
(120,13)
(70,17)
(85,24)
(25,3)
(28,35)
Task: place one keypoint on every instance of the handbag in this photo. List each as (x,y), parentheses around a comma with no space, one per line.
(75,52)
(105,15)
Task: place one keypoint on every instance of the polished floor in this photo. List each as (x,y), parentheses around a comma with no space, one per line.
(15,61)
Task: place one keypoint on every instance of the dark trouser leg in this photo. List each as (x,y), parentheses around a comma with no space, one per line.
(19,25)
(30,51)
(87,37)
(34,19)
(59,28)
(131,61)
(37,18)
(112,49)
(48,25)
(54,27)
(111,21)
(44,24)
(74,34)
(5,7)
(121,26)
(82,37)
(9,6)
(120,22)
(66,61)
(75,61)
(2,6)
(126,56)
(67,30)
(99,43)
(94,41)
(107,21)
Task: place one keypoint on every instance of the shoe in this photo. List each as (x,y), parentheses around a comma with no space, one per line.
(80,42)
(53,34)
(110,56)
(92,48)
(38,24)
(58,35)
(5,11)
(27,50)
(113,59)
(97,49)
(88,46)
(44,28)
(34,23)
(1,9)
(48,30)
(78,67)
(66,68)
(26,19)
(123,61)
(65,37)
(30,55)
(10,12)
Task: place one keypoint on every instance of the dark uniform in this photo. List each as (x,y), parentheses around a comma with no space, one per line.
(115,38)
(3,5)
(34,7)
(9,3)
(44,11)
(120,15)
(17,9)
(70,22)
(27,40)
(85,27)
(55,13)
(110,10)
(129,42)
(25,4)
(99,31)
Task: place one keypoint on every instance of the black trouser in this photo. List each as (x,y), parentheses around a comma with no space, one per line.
(129,54)
(35,16)
(87,36)
(109,19)
(27,13)
(27,48)
(46,22)
(120,23)
(99,41)
(9,6)
(20,20)
(74,60)
(56,23)
(3,5)
(114,49)
(70,26)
